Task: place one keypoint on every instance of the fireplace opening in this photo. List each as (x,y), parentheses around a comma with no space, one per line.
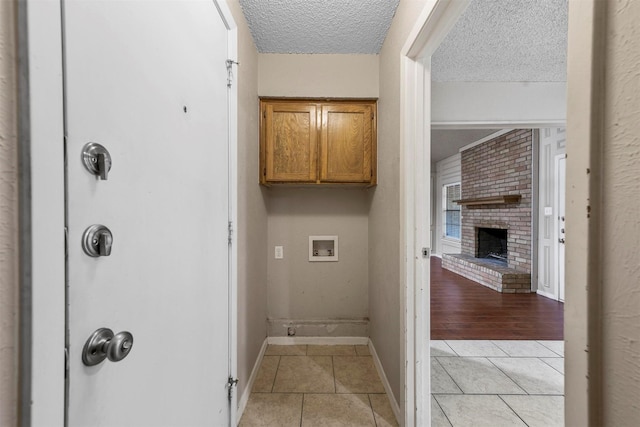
(492,245)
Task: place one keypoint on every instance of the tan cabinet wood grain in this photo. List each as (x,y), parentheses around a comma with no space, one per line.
(318,142)
(345,143)
(290,134)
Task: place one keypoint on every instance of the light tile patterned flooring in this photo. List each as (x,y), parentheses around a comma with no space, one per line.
(315,385)
(473,383)
(497,383)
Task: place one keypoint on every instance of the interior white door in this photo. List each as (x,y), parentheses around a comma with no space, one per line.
(147,80)
(561,172)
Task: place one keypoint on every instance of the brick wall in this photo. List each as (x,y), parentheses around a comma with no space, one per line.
(499,167)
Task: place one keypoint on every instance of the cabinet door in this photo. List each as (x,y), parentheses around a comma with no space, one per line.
(290,142)
(347,143)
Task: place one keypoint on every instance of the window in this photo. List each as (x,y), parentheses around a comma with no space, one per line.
(451,211)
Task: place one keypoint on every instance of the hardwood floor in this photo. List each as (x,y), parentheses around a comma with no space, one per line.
(462,309)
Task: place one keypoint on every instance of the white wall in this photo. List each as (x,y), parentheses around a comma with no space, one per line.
(458,103)
(303,292)
(552,143)
(385,261)
(447,171)
(8,218)
(252,213)
(324,76)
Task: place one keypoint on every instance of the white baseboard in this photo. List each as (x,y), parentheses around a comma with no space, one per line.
(318,340)
(385,382)
(357,327)
(242,403)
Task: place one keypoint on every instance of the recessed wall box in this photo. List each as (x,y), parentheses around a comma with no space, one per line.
(323,248)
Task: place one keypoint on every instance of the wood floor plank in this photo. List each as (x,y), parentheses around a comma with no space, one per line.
(464,309)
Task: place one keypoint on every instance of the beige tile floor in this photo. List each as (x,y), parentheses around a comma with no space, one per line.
(315,385)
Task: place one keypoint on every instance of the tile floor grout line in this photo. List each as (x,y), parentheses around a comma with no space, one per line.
(276,375)
(553,367)
(450,376)
(514,381)
(442,410)
(375,423)
(447,344)
(541,342)
(333,369)
(512,410)
(302,409)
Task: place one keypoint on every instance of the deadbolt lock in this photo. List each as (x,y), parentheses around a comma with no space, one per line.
(97,241)
(97,160)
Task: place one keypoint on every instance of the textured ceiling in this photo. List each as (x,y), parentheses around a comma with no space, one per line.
(446,143)
(319,26)
(505,40)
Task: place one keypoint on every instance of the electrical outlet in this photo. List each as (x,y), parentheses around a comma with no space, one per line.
(279,252)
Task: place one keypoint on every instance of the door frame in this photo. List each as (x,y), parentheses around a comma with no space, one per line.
(42,211)
(556,229)
(585,91)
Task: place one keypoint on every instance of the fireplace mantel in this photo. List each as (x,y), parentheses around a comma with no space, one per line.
(492,200)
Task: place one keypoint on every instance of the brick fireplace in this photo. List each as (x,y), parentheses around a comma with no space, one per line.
(496,214)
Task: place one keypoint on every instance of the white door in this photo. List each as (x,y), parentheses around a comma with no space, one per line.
(561,172)
(147,80)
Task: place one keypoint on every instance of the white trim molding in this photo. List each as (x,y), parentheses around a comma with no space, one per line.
(244,399)
(432,26)
(385,382)
(43,367)
(318,340)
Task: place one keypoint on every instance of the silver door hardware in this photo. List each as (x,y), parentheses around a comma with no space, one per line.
(96,159)
(102,344)
(231,383)
(97,241)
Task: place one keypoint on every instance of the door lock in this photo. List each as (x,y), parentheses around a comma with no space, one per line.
(96,159)
(97,241)
(102,344)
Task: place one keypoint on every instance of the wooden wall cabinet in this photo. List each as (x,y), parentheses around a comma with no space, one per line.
(317,142)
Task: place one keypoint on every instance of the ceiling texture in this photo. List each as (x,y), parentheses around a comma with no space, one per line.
(493,41)
(319,26)
(505,41)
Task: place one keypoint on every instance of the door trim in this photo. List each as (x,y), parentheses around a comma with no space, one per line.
(42,287)
(556,227)
(435,21)
(583,383)
(42,210)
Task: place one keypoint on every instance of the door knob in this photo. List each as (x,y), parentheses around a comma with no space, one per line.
(97,241)
(102,344)
(96,159)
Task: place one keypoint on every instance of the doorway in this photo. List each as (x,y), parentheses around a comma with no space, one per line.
(422,42)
